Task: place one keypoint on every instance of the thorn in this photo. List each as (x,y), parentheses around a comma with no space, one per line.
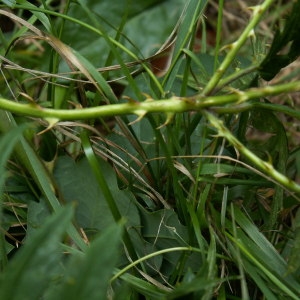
(140,114)
(168,120)
(130,100)
(51,123)
(228,46)
(75,105)
(148,97)
(28,98)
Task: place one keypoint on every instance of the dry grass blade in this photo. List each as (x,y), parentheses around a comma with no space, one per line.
(103,151)
(62,49)
(19,20)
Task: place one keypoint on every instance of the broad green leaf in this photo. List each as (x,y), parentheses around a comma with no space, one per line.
(163,230)
(198,284)
(87,276)
(268,137)
(37,214)
(163,224)
(203,68)
(79,186)
(144,32)
(29,274)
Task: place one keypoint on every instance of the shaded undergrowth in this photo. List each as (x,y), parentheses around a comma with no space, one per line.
(139,160)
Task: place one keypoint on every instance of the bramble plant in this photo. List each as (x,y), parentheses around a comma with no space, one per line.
(140,159)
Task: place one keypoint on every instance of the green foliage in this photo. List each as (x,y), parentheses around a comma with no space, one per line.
(31,270)
(288,35)
(37,268)
(87,275)
(92,210)
(7,143)
(138,181)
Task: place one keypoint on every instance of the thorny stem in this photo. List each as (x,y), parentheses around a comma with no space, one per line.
(171,106)
(168,106)
(258,12)
(266,167)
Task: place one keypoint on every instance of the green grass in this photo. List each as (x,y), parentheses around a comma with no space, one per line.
(121,181)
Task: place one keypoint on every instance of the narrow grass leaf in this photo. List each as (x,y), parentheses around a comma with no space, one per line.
(144,287)
(190,16)
(293,260)
(96,167)
(260,240)
(262,253)
(288,287)
(32,163)
(110,199)
(262,282)
(42,17)
(9,3)
(7,143)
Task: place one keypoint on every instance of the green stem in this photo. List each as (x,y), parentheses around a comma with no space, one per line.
(234,109)
(266,167)
(171,105)
(140,260)
(219,30)
(258,12)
